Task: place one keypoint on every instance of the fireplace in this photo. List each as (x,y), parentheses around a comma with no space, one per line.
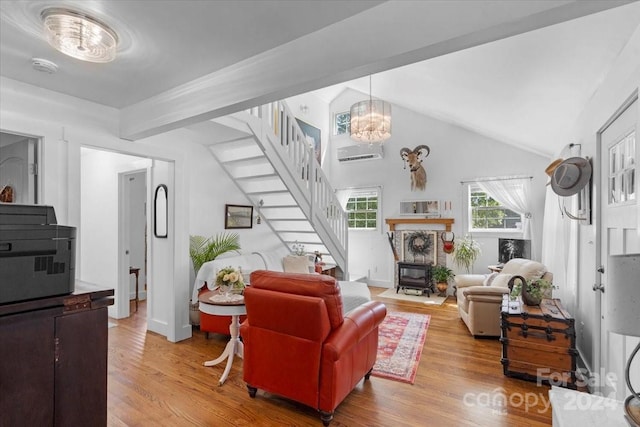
(415,276)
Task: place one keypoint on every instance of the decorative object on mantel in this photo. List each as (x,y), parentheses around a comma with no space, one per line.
(414,159)
(623,317)
(371,120)
(466,253)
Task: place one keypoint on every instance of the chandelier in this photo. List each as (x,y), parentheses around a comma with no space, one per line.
(79,35)
(371,120)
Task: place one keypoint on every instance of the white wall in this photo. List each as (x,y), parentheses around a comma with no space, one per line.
(456,154)
(98,258)
(622,80)
(65,124)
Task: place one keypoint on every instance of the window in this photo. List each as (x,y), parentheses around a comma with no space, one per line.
(342,123)
(622,170)
(362,210)
(487,214)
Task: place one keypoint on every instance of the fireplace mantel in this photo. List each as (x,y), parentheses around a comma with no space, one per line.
(392,222)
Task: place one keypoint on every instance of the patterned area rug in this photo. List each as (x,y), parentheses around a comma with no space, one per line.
(400,342)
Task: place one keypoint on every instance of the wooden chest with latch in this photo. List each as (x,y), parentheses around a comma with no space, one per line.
(539,342)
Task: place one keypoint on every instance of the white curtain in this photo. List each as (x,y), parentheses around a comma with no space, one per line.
(514,194)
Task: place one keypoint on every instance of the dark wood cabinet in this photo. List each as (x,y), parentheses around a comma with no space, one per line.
(53,353)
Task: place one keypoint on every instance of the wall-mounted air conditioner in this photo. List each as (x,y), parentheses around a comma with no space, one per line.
(360,152)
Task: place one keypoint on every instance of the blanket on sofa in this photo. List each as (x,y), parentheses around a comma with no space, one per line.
(353,293)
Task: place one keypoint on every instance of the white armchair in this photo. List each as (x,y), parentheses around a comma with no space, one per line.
(480,295)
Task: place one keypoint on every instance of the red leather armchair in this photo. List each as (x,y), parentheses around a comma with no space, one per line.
(297,344)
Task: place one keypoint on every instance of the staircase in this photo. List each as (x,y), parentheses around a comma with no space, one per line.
(267,156)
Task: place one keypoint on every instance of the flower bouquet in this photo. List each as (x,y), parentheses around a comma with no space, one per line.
(230,281)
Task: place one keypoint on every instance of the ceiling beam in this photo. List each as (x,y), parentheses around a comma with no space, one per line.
(390,35)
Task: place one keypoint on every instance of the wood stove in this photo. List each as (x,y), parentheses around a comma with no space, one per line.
(414,276)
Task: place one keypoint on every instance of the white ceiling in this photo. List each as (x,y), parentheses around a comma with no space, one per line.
(526,89)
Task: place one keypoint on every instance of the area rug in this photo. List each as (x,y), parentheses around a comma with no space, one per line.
(400,340)
(432,300)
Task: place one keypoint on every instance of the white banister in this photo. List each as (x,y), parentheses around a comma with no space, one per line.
(288,142)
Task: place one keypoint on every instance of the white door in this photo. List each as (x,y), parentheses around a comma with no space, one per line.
(618,227)
(132,240)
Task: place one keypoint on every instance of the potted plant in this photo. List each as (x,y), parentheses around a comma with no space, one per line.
(534,291)
(441,275)
(230,281)
(466,252)
(204,249)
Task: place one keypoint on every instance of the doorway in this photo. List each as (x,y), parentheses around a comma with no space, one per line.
(19,166)
(618,231)
(133,223)
(103,243)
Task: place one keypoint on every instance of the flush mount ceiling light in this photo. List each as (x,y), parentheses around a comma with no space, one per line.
(78,35)
(371,120)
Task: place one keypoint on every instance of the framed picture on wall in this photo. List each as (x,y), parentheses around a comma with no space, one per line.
(312,134)
(423,208)
(238,216)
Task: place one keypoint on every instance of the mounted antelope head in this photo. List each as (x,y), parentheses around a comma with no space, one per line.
(414,160)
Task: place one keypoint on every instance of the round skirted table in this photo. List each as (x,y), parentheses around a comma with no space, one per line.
(212,302)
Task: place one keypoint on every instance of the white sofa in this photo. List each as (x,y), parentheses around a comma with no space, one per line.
(353,293)
(480,295)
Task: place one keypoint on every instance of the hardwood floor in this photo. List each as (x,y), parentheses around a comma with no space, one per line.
(152,382)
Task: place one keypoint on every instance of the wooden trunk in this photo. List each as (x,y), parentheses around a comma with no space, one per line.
(539,343)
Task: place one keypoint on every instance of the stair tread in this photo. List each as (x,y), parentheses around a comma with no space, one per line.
(267,192)
(260,176)
(249,161)
(280,207)
(244,159)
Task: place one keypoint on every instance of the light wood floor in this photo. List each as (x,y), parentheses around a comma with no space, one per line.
(152,382)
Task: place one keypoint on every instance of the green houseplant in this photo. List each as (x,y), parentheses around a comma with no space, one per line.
(466,252)
(204,249)
(441,275)
(534,291)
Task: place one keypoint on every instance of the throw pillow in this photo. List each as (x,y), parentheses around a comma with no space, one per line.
(502,280)
(489,279)
(297,264)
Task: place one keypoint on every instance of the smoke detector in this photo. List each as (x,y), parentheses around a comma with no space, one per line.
(44,65)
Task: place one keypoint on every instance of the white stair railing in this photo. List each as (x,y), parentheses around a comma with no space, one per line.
(281,130)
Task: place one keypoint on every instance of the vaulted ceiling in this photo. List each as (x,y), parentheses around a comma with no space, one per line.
(519,71)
